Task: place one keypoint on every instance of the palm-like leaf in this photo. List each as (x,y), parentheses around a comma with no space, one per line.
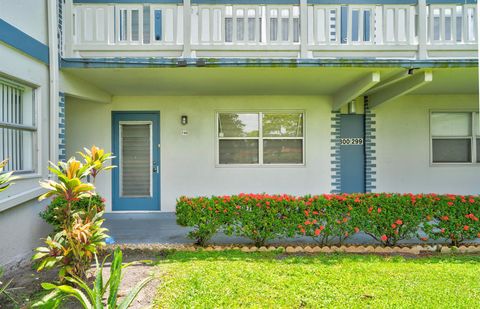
(96,159)
(5,178)
(69,185)
(92,298)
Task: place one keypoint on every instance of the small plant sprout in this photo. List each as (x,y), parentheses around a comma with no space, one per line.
(96,158)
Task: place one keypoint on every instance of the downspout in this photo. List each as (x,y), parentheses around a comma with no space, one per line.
(53,80)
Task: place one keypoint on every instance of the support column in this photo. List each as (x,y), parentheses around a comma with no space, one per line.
(422,29)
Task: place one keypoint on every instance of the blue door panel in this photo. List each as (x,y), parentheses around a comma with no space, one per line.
(352,157)
(121,203)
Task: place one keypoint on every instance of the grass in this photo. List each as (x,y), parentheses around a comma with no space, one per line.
(234,279)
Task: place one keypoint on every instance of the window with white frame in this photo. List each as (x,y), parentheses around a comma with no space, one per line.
(260,138)
(455,137)
(17,126)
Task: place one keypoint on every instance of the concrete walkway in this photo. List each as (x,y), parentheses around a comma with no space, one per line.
(161,228)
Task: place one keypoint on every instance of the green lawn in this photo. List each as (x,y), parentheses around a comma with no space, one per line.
(273,280)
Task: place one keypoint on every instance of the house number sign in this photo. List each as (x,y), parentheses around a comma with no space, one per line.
(351,141)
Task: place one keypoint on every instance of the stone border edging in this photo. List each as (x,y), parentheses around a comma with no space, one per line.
(416,249)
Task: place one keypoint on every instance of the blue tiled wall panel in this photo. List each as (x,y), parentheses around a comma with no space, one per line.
(62,151)
(335,152)
(370,152)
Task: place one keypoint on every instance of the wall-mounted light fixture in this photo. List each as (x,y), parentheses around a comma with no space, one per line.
(184,119)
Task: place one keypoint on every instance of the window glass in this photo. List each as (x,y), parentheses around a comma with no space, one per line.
(282,125)
(296,30)
(17,129)
(237,125)
(228,29)
(355,22)
(477,125)
(436,24)
(240,28)
(135,25)
(366,25)
(451,124)
(448,24)
(285,29)
(451,150)
(282,151)
(251,29)
(478,149)
(279,142)
(123,25)
(238,151)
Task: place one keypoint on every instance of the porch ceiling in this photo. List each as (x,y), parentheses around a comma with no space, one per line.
(258,80)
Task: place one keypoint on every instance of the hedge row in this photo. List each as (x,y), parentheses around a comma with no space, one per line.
(385,217)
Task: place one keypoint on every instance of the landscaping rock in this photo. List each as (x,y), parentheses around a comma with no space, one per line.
(299,249)
(308,249)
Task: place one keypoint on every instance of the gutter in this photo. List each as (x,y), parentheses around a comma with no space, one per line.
(248,62)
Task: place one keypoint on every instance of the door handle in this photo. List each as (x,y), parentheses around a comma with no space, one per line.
(155,167)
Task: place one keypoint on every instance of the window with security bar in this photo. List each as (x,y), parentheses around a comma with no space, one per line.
(17,126)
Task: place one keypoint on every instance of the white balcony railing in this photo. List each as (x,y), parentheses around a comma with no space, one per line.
(165,30)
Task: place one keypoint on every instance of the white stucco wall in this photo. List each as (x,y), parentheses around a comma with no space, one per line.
(20,226)
(403,147)
(21,230)
(188,162)
(30,16)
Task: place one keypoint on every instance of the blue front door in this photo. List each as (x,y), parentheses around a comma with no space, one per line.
(352,154)
(136,180)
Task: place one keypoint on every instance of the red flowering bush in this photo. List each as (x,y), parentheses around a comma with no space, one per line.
(263,217)
(206,215)
(388,218)
(328,217)
(454,217)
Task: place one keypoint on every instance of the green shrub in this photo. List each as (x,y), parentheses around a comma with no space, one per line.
(54,210)
(328,218)
(387,218)
(263,217)
(207,215)
(453,217)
